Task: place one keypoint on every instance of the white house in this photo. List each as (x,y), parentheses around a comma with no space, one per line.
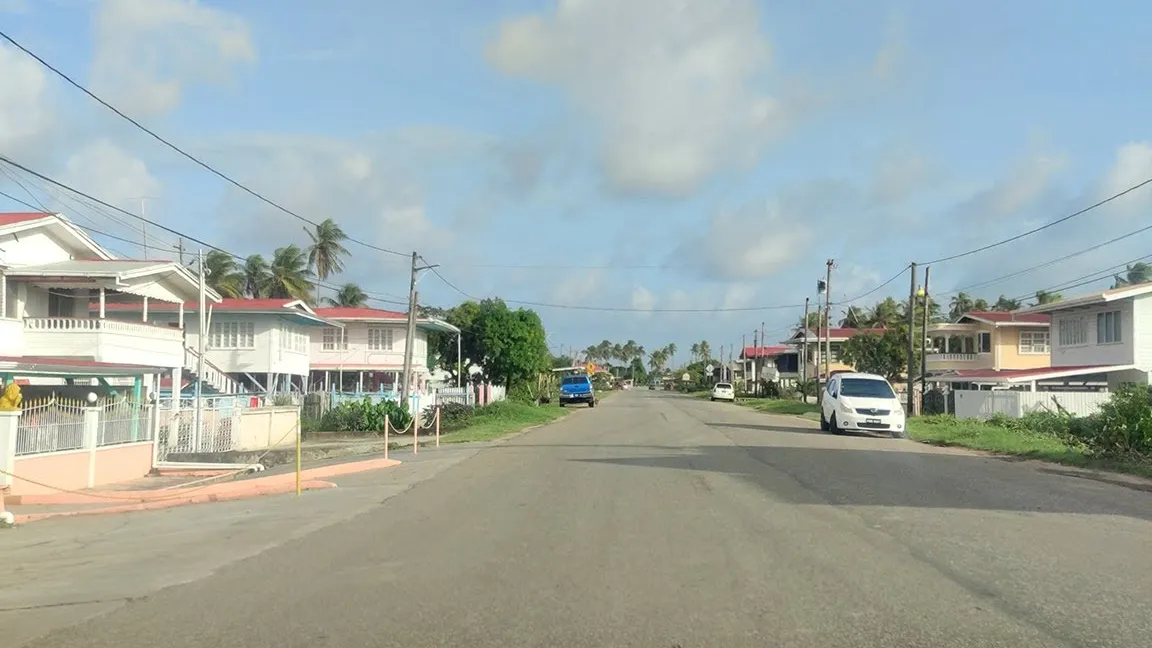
(258,345)
(364,350)
(1106,333)
(50,270)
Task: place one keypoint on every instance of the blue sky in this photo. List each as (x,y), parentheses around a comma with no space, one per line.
(690,154)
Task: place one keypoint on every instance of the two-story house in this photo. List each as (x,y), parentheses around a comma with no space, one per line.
(1104,337)
(252,346)
(50,271)
(811,345)
(363,351)
(759,359)
(988,342)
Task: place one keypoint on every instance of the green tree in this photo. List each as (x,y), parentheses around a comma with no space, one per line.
(980,305)
(814,320)
(349,295)
(705,350)
(223,274)
(512,343)
(1005,304)
(960,304)
(289,275)
(257,276)
(1134,274)
(326,250)
(884,354)
(1045,297)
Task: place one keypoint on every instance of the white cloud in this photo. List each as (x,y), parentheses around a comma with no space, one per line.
(147,51)
(898,177)
(749,243)
(26,111)
(643,299)
(672,86)
(103,169)
(1133,165)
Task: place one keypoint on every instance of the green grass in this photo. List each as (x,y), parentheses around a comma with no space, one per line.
(780,406)
(977,435)
(499,419)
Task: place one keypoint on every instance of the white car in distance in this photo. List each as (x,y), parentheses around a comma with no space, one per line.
(861,401)
(724,391)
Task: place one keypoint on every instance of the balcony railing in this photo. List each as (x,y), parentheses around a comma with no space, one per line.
(951,357)
(85,325)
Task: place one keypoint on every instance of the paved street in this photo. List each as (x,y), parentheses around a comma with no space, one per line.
(652,520)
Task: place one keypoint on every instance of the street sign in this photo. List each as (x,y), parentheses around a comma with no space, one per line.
(709,369)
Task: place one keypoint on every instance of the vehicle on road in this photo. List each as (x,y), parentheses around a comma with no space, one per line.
(724,391)
(577,389)
(861,401)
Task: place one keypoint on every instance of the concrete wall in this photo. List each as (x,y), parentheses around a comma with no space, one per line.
(268,427)
(984,404)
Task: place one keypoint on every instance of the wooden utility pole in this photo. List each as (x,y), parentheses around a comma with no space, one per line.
(911,337)
(180,249)
(804,349)
(828,317)
(410,337)
(923,343)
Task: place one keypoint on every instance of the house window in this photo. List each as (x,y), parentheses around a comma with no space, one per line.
(1033,342)
(60,303)
(985,340)
(1073,331)
(291,340)
(380,339)
(1108,327)
(232,335)
(335,339)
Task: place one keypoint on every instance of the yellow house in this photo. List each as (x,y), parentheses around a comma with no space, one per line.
(992,340)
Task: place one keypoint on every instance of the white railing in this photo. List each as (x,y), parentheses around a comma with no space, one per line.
(74,324)
(50,425)
(219,430)
(123,421)
(984,404)
(213,375)
(951,357)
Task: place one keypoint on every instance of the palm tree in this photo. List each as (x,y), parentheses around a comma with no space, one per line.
(256,276)
(980,305)
(670,350)
(815,320)
(960,304)
(705,350)
(1045,297)
(887,313)
(325,251)
(349,295)
(223,275)
(289,275)
(695,350)
(1006,305)
(1137,273)
(857,317)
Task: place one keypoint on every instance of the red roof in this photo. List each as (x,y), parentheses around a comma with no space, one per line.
(764,351)
(1000,317)
(340,312)
(976,374)
(22,217)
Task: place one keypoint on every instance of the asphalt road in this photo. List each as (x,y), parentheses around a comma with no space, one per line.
(659,520)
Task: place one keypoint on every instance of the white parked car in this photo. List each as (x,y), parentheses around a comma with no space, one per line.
(724,391)
(861,401)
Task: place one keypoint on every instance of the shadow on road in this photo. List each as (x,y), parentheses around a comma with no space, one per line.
(857,477)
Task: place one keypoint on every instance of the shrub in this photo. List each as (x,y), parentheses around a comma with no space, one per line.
(365,416)
(453,416)
(1124,424)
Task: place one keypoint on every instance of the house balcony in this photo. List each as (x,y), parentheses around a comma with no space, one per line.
(103,340)
(953,361)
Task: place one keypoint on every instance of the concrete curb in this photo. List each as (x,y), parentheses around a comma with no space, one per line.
(123,501)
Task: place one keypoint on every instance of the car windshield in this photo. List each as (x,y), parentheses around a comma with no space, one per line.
(866,388)
(723,386)
(575,380)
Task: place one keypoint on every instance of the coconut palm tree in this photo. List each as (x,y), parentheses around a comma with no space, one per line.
(695,350)
(887,313)
(980,305)
(1005,304)
(223,275)
(349,295)
(1135,274)
(326,250)
(256,276)
(1045,297)
(289,274)
(705,350)
(960,304)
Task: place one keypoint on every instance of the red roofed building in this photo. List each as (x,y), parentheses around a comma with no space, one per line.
(989,340)
(810,359)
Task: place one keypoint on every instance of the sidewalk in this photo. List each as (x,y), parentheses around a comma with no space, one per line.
(169,491)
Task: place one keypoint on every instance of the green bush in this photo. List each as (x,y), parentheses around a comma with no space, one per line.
(1124,424)
(365,416)
(453,416)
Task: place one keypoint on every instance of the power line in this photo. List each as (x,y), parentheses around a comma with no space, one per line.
(1089,278)
(862,296)
(175,232)
(220,174)
(1042,227)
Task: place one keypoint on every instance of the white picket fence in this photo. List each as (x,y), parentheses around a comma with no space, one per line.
(59,425)
(985,404)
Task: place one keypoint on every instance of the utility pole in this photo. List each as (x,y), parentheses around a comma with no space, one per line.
(911,336)
(804,349)
(201,335)
(762,341)
(828,317)
(755,369)
(180,249)
(744,362)
(410,337)
(923,343)
(144,227)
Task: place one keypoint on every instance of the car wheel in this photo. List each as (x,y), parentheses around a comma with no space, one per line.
(591,403)
(833,427)
(713,399)
(561,404)
(823,421)
(898,434)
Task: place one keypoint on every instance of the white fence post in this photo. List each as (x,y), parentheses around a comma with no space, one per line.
(91,439)
(9,422)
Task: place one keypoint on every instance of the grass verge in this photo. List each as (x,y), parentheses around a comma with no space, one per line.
(499,419)
(780,406)
(977,435)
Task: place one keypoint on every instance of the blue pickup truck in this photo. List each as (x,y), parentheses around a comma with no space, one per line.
(577,389)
